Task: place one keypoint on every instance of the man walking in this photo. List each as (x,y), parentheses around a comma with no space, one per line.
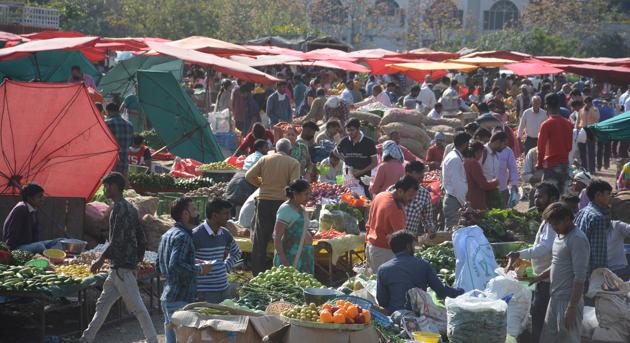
(176,262)
(454,180)
(126,248)
(272,173)
(530,123)
(123,133)
(555,141)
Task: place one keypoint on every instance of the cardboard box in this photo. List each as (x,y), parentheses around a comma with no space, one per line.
(298,334)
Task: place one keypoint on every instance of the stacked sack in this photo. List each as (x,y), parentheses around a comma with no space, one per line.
(410,125)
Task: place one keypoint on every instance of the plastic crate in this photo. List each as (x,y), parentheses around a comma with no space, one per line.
(200,204)
(164,201)
(227,140)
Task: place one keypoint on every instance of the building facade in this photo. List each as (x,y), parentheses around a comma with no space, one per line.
(409,24)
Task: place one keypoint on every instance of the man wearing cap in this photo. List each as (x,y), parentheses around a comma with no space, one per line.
(435,153)
(581,180)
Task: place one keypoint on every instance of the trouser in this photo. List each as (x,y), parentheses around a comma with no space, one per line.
(623,273)
(530,143)
(558,175)
(264,222)
(555,330)
(377,256)
(587,155)
(603,153)
(120,283)
(494,199)
(214,297)
(451,212)
(39,247)
(505,197)
(168,308)
(539,309)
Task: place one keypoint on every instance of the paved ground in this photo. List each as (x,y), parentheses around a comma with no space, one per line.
(130,332)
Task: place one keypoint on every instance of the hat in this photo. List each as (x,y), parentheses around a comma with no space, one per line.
(439,136)
(583,177)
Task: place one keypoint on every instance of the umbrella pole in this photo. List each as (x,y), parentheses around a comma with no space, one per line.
(39,73)
(186,135)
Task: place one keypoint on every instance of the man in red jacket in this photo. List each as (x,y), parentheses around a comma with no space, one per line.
(555,140)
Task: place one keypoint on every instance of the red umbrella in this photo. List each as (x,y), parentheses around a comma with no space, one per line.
(52,134)
(29,48)
(532,68)
(211,45)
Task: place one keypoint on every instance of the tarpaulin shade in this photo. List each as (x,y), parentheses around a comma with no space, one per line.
(482,61)
(428,54)
(52,134)
(219,64)
(370,53)
(176,118)
(127,43)
(274,50)
(331,64)
(527,68)
(34,46)
(211,45)
(52,34)
(613,74)
(504,54)
(8,36)
(380,66)
(122,78)
(264,60)
(328,54)
(48,66)
(427,66)
(616,128)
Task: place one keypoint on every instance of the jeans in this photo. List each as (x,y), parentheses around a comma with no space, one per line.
(39,247)
(264,222)
(529,144)
(603,153)
(451,212)
(214,297)
(539,309)
(587,155)
(168,308)
(558,175)
(120,283)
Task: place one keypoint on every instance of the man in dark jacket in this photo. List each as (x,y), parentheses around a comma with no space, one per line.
(126,248)
(21,228)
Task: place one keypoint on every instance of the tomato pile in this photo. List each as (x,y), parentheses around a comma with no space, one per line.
(320,190)
(433,175)
(328,234)
(342,312)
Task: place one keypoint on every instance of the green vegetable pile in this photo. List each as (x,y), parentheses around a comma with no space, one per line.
(193,184)
(239,276)
(442,259)
(343,206)
(161,181)
(20,257)
(152,139)
(208,311)
(509,225)
(20,278)
(276,284)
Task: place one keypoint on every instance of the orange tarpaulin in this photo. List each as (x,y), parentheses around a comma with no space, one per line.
(28,48)
(219,64)
(429,66)
(211,45)
(59,141)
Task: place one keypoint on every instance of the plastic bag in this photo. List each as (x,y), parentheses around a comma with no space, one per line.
(476,317)
(339,220)
(475,264)
(220,121)
(430,317)
(186,168)
(505,285)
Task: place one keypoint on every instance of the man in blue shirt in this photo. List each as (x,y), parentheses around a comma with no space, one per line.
(123,133)
(405,272)
(606,111)
(176,262)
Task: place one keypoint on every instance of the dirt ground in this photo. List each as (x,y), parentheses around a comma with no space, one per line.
(130,332)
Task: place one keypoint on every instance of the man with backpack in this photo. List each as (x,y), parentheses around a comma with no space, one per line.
(127,243)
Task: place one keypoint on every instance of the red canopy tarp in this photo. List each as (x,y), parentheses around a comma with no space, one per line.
(527,68)
(428,54)
(52,34)
(127,43)
(211,45)
(332,64)
(220,64)
(371,53)
(274,50)
(613,74)
(59,141)
(504,54)
(28,48)
(264,60)
(328,54)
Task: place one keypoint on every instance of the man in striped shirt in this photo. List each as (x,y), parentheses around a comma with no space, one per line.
(215,245)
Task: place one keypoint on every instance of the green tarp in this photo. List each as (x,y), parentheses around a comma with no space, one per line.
(51,66)
(616,128)
(176,118)
(122,78)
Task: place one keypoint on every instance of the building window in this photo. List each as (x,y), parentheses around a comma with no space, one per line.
(501,15)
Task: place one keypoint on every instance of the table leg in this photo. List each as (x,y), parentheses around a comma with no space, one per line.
(43,321)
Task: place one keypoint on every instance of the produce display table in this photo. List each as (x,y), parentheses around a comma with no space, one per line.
(333,252)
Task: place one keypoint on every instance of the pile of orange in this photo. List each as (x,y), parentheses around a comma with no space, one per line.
(344,312)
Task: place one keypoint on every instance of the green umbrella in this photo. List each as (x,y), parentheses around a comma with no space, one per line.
(48,66)
(176,118)
(122,78)
(616,128)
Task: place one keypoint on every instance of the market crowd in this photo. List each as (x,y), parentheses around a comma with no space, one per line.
(542,121)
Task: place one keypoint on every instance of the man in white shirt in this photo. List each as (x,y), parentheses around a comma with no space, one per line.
(377,96)
(530,123)
(427,97)
(540,255)
(436,112)
(454,181)
(623,97)
(490,165)
(450,98)
(346,95)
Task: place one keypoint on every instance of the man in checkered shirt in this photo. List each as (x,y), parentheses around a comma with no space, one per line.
(123,132)
(419,212)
